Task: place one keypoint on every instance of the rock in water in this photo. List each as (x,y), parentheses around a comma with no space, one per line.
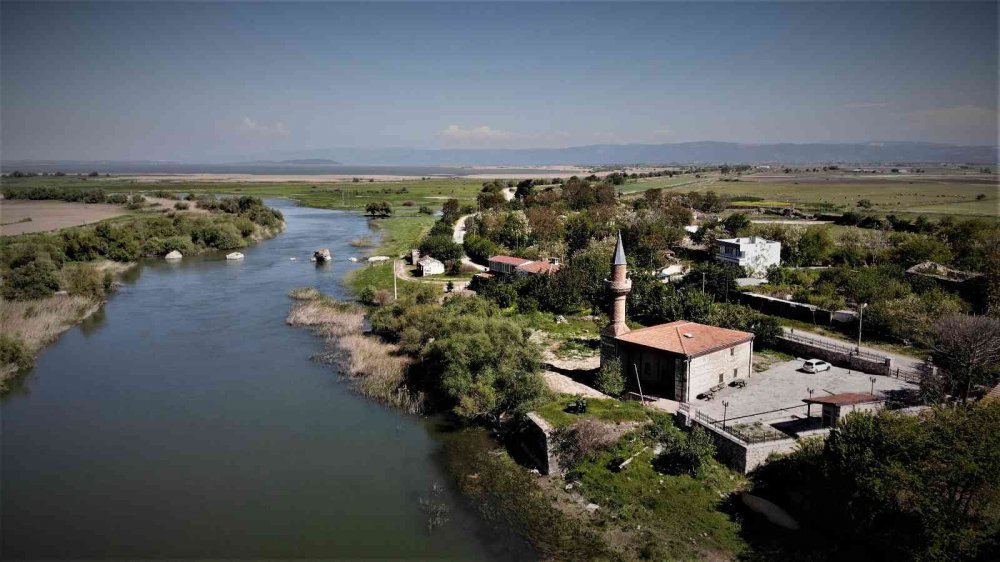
(234,256)
(175,255)
(322,255)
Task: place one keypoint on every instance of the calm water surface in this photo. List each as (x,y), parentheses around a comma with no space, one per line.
(186,420)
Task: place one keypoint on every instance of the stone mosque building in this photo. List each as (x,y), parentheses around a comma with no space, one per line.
(678,360)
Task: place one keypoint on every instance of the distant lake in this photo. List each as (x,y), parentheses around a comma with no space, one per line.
(150,168)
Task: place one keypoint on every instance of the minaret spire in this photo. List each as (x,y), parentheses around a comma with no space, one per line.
(619,286)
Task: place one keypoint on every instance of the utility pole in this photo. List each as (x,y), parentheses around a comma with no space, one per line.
(395,295)
(703,281)
(861,319)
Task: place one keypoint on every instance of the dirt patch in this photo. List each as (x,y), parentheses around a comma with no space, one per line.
(51,215)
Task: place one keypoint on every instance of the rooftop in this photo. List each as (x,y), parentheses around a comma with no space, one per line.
(539,267)
(510,260)
(686,338)
(844,399)
(748,240)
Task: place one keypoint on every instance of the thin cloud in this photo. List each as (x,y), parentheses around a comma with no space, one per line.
(482,135)
(250,126)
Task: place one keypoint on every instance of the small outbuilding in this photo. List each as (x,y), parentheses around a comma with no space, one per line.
(430,266)
(836,406)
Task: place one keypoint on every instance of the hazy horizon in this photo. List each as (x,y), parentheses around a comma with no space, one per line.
(199,82)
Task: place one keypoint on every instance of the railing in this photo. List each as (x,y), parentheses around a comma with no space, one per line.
(762,434)
(839,348)
(908,375)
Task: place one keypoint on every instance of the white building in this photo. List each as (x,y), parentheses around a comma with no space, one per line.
(753,253)
(430,266)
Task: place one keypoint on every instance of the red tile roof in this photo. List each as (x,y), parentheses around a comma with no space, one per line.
(510,260)
(539,267)
(844,399)
(686,338)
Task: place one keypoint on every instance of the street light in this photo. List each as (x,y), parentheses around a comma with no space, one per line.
(861,318)
(725,410)
(809,406)
(873,386)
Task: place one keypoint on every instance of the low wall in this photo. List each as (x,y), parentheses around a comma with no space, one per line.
(786,308)
(734,453)
(536,442)
(839,356)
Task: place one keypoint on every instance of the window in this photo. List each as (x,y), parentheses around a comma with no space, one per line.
(721,377)
(735,372)
(732,351)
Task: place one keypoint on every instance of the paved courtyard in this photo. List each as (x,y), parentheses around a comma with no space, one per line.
(784,385)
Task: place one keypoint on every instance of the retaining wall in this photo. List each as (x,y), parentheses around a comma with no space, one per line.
(875,365)
(786,308)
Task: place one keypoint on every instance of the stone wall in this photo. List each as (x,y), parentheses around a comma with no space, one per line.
(731,363)
(840,356)
(740,456)
(536,442)
(786,308)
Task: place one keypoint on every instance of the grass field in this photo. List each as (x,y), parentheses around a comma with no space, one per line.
(660,182)
(932,197)
(330,195)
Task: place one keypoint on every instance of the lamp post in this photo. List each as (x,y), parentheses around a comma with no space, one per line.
(725,410)
(873,386)
(861,319)
(809,406)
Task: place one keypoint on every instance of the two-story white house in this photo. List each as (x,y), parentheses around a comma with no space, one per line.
(753,253)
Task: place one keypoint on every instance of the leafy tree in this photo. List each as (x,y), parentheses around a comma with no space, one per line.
(379,209)
(815,246)
(736,223)
(442,247)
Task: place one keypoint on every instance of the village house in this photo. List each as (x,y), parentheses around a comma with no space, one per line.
(430,266)
(510,265)
(678,360)
(753,253)
(505,265)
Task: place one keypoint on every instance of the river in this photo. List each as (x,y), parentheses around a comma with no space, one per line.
(186,420)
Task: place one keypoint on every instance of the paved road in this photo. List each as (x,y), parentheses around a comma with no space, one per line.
(902,361)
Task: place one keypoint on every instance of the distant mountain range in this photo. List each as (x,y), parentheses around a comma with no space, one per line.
(706,152)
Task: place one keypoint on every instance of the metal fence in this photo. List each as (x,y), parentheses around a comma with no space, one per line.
(835,347)
(762,434)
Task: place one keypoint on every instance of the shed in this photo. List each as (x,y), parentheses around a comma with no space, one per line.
(836,406)
(430,266)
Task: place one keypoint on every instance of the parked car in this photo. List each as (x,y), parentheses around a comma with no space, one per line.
(815,366)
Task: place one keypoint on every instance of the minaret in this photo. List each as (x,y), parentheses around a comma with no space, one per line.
(619,285)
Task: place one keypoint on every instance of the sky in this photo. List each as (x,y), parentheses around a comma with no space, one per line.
(128,81)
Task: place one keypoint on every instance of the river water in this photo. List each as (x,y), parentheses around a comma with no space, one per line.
(186,420)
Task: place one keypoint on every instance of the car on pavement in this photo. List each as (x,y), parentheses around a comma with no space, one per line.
(815,366)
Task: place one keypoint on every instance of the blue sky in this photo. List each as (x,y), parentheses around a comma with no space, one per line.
(176,81)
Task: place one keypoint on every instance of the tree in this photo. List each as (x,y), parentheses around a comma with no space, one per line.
(736,223)
(815,247)
(378,209)
(451,210)
(967,348)
(442,247)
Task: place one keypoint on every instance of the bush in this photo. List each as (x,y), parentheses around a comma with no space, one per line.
(34,280)
(83,279)
(610,379)
(13,352)
(685,453)
(182,205)
(425,210)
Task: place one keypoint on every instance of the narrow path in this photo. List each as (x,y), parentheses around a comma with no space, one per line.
(459,237)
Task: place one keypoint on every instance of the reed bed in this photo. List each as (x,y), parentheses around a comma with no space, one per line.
(375,368)
(37,323)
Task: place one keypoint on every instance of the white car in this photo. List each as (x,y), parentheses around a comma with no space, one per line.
(815,366)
